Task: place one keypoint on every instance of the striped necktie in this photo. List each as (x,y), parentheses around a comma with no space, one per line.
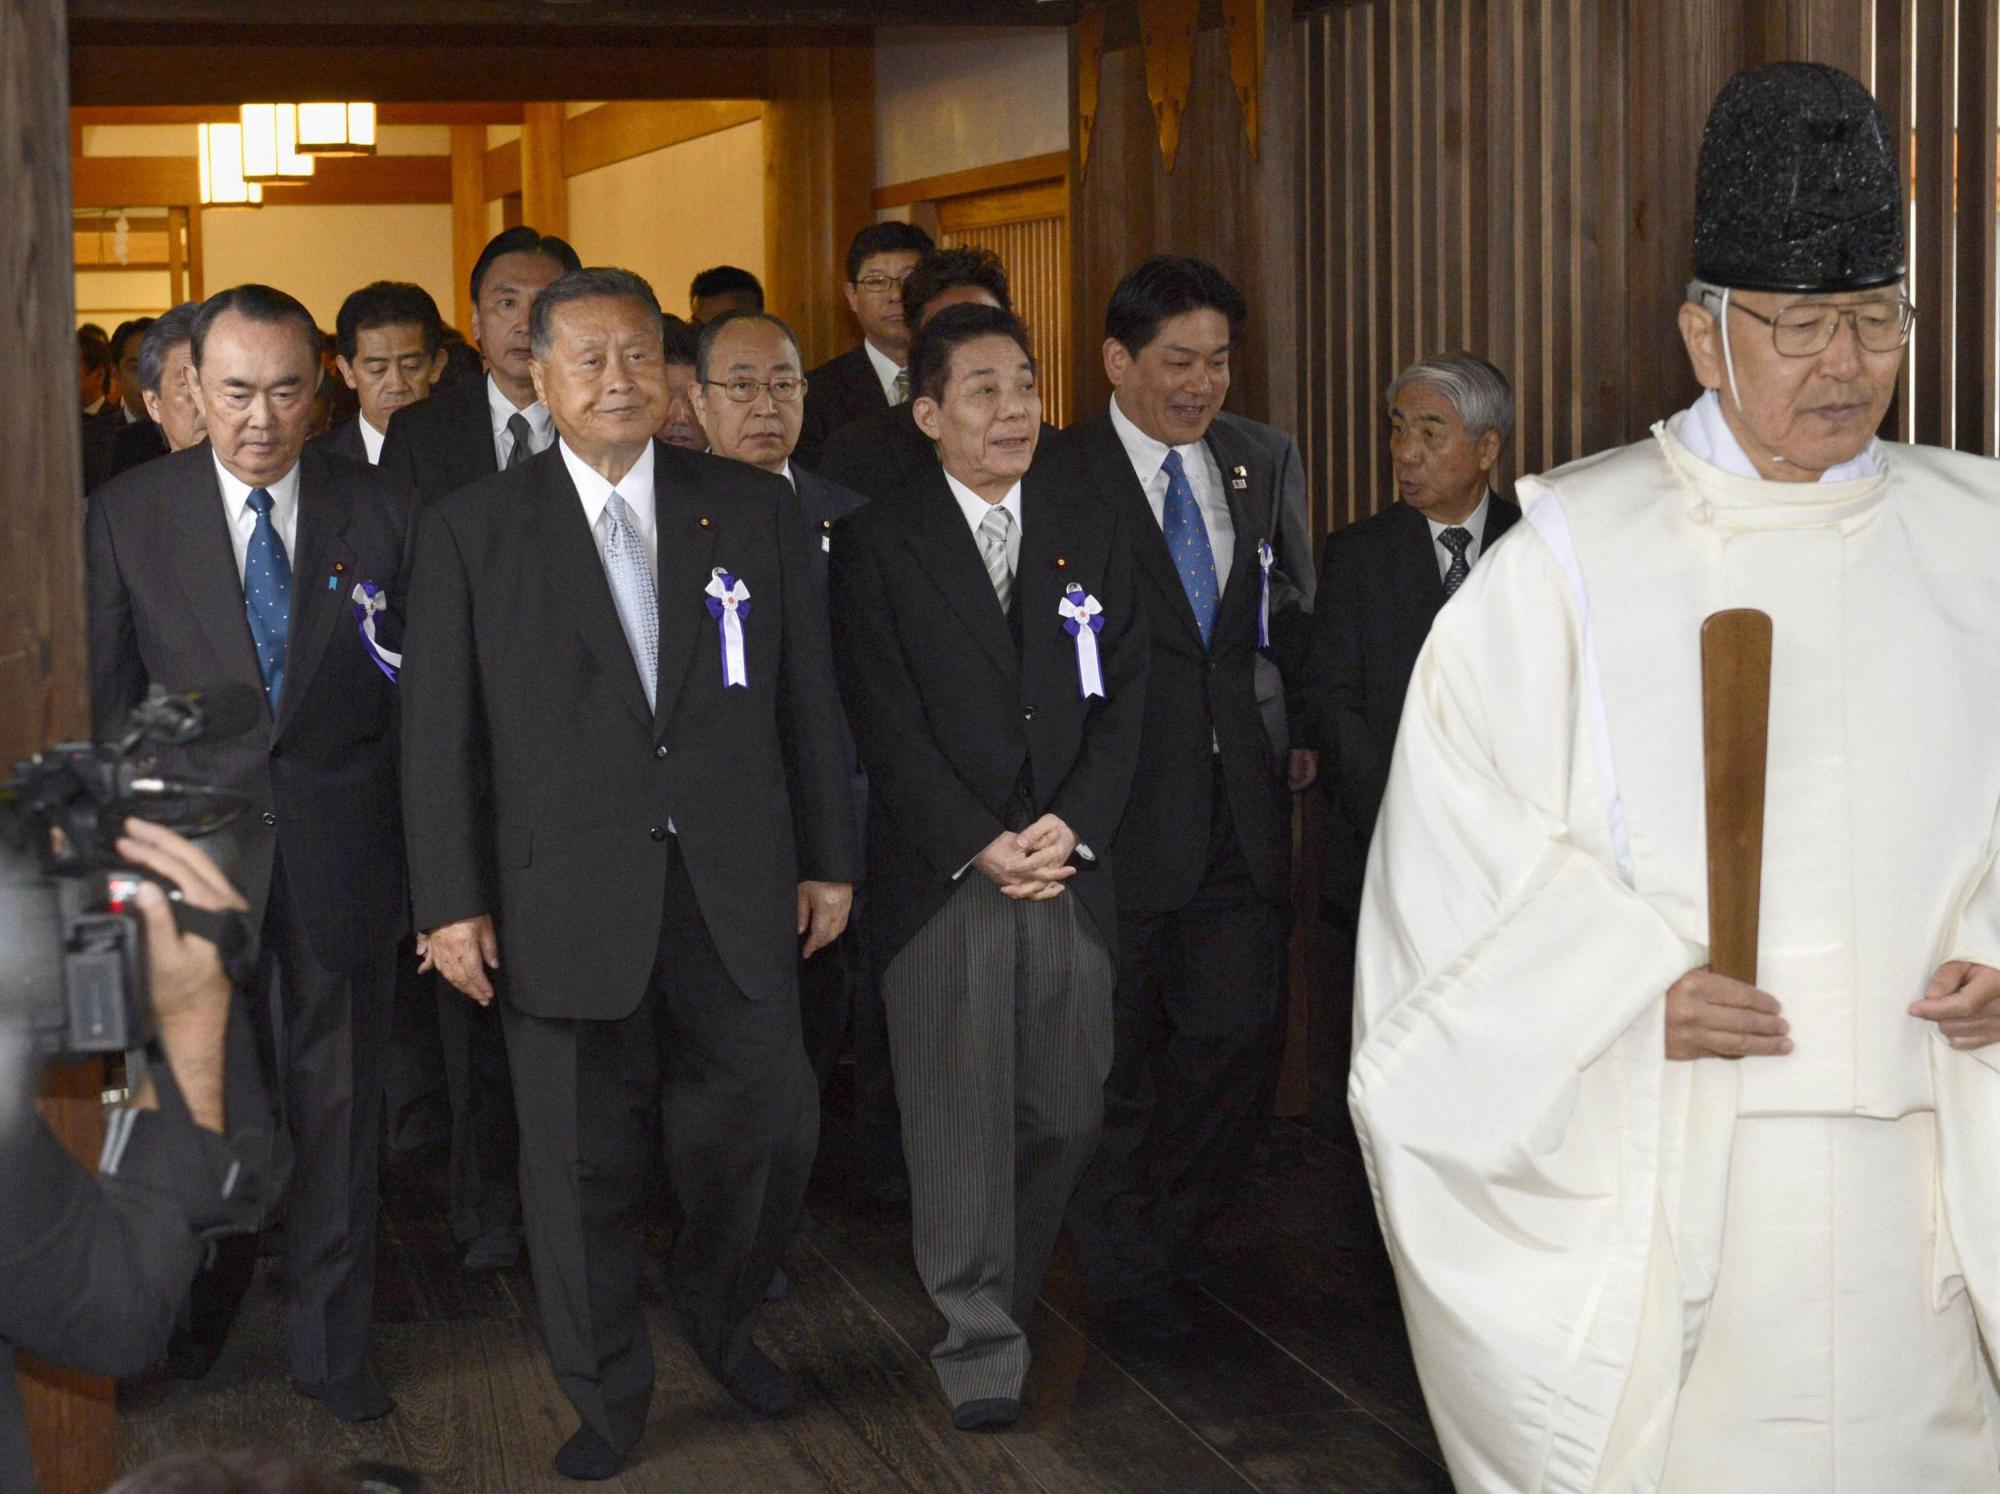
(993,533)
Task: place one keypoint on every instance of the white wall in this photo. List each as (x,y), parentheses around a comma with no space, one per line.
(669,214)
(320,254)
(948,98)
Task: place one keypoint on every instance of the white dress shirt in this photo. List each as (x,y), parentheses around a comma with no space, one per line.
(243,519)
(886,369)
(1149,464)
(371,441)
(1474,523)
(500,409)
(635,487)
(976,508)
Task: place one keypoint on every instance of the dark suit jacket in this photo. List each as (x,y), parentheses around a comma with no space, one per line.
(839,390)
(344,440)
(948,709)
(139,442)
(441,444)
(825,504)
(879,454)
(100,437)
(1200,697)
(1379,591)
(166,608)
(539,787)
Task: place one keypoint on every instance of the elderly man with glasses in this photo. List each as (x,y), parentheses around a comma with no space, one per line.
(1657,1227)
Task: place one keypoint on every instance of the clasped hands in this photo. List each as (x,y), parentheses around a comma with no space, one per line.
(1030,864)
(1712,1016)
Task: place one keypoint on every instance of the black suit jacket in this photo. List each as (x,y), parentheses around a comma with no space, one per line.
(879,454)
(100,434)
(1199,698)
(1379,591)
(825,504)
(538,786)
(441,444)
(838,391)
(166,608)
(139,442)
(948,709)
(344,440)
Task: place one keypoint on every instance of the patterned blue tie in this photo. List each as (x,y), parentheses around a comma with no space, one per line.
(1187,538)
(267,596)
(632,590)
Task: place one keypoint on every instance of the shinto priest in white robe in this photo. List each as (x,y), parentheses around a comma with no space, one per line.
(1625,1273)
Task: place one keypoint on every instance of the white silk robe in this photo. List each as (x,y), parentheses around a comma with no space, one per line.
(1551,1188)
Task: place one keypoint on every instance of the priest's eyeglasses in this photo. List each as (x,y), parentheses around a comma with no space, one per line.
(1808,329)
(784,389)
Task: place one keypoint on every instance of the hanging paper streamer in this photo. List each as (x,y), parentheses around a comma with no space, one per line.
(729,605)
(1264,559)
(369,602)
(1083,616)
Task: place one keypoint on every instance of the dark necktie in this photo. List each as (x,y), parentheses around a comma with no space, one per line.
(1457,541)
(267,595)
(1187,538)
(901,392)
(521,450)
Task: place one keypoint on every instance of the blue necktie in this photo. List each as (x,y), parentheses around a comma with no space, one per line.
(1187,538)
(267,595)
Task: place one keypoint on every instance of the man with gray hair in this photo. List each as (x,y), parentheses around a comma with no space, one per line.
(163,373)
(1382,581)
(623,823)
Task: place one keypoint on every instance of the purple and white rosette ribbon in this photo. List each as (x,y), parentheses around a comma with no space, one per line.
(1083,617)
(1264,559)
(729,605)
(370,601)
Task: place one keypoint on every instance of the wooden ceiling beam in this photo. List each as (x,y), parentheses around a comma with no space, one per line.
(88,19)
(387,114)
(162,181)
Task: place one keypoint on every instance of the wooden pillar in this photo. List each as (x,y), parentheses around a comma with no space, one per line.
(819,172)
(42,690)
(196,280)
(544,188)
(468,216)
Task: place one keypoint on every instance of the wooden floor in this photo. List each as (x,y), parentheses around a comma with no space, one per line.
(1300,1380)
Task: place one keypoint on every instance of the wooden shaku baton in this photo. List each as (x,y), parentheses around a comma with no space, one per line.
(1735,730)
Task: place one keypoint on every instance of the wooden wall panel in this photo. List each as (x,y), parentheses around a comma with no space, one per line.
(1033,252)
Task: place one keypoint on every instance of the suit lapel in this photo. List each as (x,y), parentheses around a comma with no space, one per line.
(575,580)
(1048,534)
(321,581)
(198,534)
(1111,471)
(687,559)
(948,553)
(1423,581)
(1251,495)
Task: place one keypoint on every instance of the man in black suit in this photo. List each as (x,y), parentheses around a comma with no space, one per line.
(165,378)
(1382,581)
(622,795)
(749,393)
(1201,936)
(719,290)
(437,446)
(682,427)
(990,641)
(245,559)
(390,342)
(871,376)
(103,412)
(883,451)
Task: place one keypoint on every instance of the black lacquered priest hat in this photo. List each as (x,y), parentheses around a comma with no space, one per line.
(1798,187)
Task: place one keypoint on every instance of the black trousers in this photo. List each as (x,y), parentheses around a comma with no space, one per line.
(416,1104)
(1197,1037)
(485,1168)
(726,1079)
(322,1037)
(840,999)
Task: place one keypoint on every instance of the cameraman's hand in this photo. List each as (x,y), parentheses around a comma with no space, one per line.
(465,951)
(190,991)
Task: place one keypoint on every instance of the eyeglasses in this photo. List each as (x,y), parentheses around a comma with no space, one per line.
(784,389)
(1807,330)
(875,282)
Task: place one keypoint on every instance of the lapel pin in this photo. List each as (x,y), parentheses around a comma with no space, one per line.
(703,522)
(1239,477)
(1061,564)
(339,566)
(333,583)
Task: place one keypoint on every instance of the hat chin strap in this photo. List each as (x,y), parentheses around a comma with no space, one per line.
(1729,366)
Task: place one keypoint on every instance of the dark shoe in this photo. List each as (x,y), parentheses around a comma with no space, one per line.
(1160,1316)
(589,1457)
(496,1250)
(780,1287)
(215,1297)
(759,1386)
(359,1397)
(990,1414)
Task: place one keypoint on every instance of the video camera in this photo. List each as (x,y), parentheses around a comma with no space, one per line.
(72,946)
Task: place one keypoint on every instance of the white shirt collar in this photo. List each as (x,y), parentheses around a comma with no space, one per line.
(787,475)
(635,487)
(1474,521)
(1146,454)
(886,369)
(236,493)
(500,410)
(371,440)
(976,508)
(96,406)
(1706,434)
